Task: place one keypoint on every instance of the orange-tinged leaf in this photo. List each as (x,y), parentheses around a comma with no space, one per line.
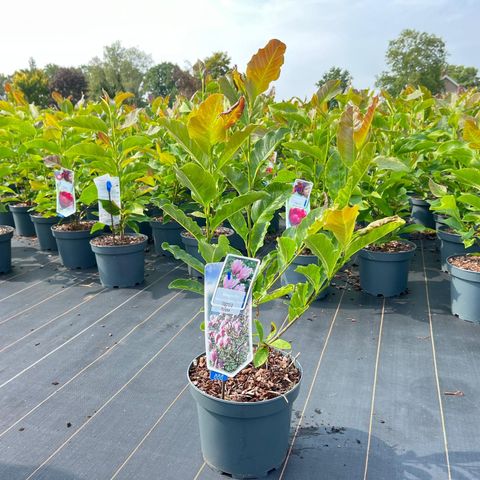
(103,138)
(121,97)
(19,97)
(471,133)
(264,67)
(238,80)
(205,125)
(57,97)
(362,123)
(341,222)
(231,116)
(7,87)
(345,142)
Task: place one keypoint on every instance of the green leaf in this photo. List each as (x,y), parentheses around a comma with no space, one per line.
(436,189)
(281,344)
(345,143)
(234,144)
(235,205)
(86,122)
(237,179)
(313,273)
(187,284)
(259,328)
(471,200)
(134,142)
(179,216)
(97,226)
(323,248)
(277,293)
(86,150)
(111,207)
(199,181)
(287,248)
(89,195)
(261,356)
(299,300)
(264,148)
(372,233)
(470,176)
(185,257)
(329,90)
(306,148)
(391,163)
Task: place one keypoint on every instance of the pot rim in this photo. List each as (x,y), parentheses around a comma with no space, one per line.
(408,242)
(233,402)
(231,232)
(451,265)
(144,239)
(10,231)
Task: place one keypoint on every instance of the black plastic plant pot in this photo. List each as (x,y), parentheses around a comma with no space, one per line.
(421,213)
(464,292)
(452,244)
(43,229)
(6,218)
(74,248)
(121,266)
(244,439)
(292,277)
(439,220)
(23,223)
(166,232)
(6,249)
(384,273)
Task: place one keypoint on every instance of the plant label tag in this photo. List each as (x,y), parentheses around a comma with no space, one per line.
(298,205)
(218,376)
(228,336)
(235,283)
(109,190)
(65,192)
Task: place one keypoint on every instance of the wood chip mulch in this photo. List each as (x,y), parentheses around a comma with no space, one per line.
(467,262)
(218,231)
(73,226)
(251,384)
(4,229)
(390,247)
(110,241)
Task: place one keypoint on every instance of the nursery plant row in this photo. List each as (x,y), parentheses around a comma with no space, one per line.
(349,173)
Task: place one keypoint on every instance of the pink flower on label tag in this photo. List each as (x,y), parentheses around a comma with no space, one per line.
(296,215)
(230,282)
(65,199)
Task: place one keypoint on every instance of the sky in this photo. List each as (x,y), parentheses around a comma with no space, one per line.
(351,34)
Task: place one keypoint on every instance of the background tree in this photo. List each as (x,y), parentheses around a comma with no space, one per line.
(336,73)
(160,80)
(70,82)
(466,76)
(3,80)
(415,58)
(216,65)
(120,69)
(33,82)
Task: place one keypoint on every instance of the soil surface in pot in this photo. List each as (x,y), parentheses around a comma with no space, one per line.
(218,231)
(393,246)
(250,384)
(110,240)
(23,204)
(467,262)
(5,229)
(73,226)
(423,235)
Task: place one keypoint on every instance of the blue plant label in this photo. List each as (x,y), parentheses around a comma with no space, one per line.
(108,188)
(218,376)
(234,285)
(228,334)
(65,192)
(298,205)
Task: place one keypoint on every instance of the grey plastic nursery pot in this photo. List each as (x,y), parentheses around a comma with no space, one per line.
(74,248)
(244,439)
(464,292)
(165,232)
(23,223)
(6,250)
(292,277)
(383,273)
(121,266)
(421,213)
(43,229)
(6,218)
(452,244)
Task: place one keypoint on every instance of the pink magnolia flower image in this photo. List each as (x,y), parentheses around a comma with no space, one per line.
(296,215)
(229,282)
(214,356)
(244,273)
(65,199)
(237,266)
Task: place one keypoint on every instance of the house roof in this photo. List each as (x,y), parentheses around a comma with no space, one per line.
(446,77)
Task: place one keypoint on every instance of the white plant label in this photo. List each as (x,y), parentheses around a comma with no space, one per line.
(65,192)
(108,189)
(228,335)
(298,205)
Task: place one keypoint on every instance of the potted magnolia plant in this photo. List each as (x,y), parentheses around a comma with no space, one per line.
(6,234)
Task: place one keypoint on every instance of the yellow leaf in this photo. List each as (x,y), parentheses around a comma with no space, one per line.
(471,133)
(231,116)
(205,125)
(362,123)
(51,121)
(264,67)
(8,107)
(121,97)
(57,97)
(342,223)
(36,185)
(167,158)
(238,80)
(19,97)
(147,180)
